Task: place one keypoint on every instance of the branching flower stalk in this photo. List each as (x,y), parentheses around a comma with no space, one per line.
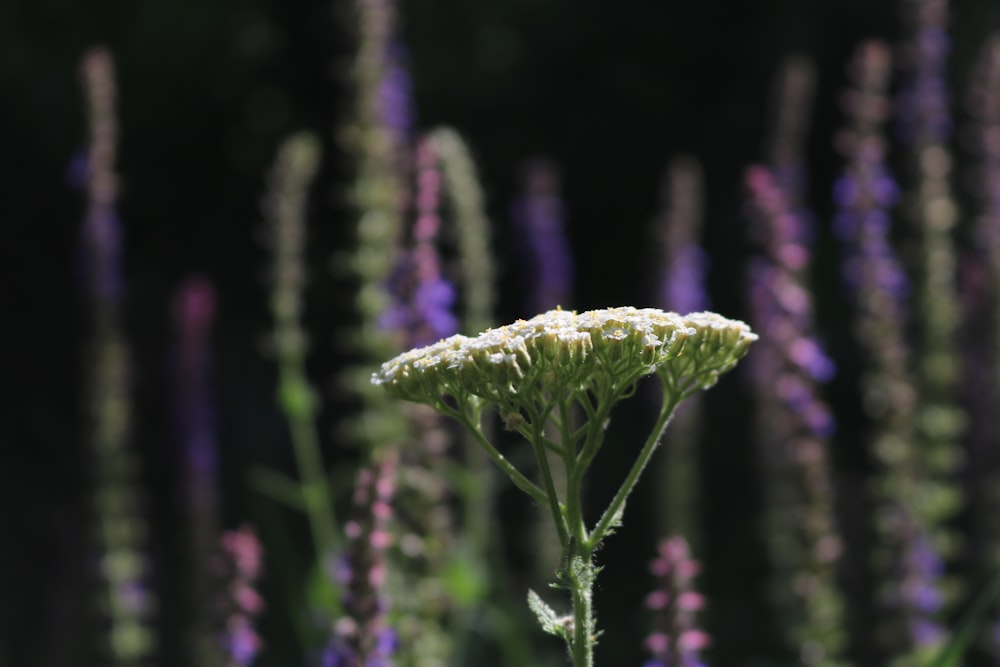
(535,372)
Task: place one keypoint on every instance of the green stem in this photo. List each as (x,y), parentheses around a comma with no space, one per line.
(316,495)
(576,467)
(584,631)
(516,476)
(537,441)
(574,503)
(595,431)
(610,516)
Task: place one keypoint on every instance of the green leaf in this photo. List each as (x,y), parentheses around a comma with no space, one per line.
(465,580)
(953,652)
(278,487)
(546,616)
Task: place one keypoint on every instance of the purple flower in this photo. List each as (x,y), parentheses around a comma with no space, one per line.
(684,281)
(677,641)
(244,559)
(927,633)
(789,367)
(434,300)
(422,298)
(242,644)
(337,654)
(362,637)
(923,102)
(539,218)
(394,95)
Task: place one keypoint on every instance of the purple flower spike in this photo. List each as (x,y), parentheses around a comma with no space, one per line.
(394,95)
(423,299)
(789,367)
(244,556)
(676,642)
(127,603)
(684,263)
(910,598)
(539,216)
(193,312)
(362,637)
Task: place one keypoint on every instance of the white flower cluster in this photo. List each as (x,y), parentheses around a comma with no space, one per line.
(563,344)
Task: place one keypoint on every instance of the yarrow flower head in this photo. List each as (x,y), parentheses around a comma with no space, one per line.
(603,351)
(536,372)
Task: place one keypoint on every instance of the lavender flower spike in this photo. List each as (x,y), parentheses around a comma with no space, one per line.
(423,299)
(681,288)
(933,214)
(677,641)
(126,600)
(909,599)
(244,560)
(194,309)
(540,217)
(362,637)
(795,425)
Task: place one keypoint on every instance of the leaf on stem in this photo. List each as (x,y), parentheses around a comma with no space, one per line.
(546,616)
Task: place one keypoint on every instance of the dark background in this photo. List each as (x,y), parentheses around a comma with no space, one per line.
(208,88)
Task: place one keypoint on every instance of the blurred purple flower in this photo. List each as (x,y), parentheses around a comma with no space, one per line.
(789,367)
(684,282)
(923,596)
(77,170)
(923,101)
(677,641)
(362,636)
(243,644)
(422,299)
(927,633)
(244,558)
(395,109)
(539,216)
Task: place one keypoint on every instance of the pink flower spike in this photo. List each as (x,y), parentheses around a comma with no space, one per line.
(694,640)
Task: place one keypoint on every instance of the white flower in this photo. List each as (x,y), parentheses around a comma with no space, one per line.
(563,349)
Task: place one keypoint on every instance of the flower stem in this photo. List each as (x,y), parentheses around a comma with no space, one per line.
(316,496)
(610,517)
(516,476)
(582,645)
(538,442)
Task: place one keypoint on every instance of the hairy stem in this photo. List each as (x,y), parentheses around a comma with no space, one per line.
(611,514)
(582,578)
(516,476)
(538,442)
